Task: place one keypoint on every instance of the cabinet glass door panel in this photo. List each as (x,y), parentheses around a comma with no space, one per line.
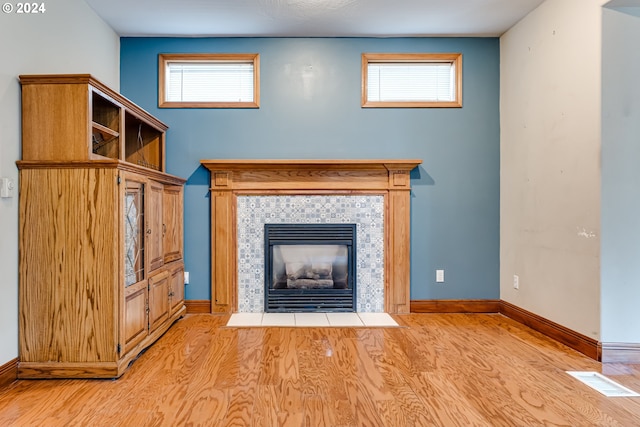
(133,233)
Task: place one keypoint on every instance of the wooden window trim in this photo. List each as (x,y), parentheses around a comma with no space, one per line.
(164,58)
(454,58)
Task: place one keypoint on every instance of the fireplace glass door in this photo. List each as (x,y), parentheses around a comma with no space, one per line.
(310,267)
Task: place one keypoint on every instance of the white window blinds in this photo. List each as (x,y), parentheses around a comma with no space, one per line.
(411,82)
(209,82)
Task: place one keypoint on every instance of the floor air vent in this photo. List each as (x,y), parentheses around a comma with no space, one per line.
(603,384)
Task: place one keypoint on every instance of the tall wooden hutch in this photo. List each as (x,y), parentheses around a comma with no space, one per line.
(101,230)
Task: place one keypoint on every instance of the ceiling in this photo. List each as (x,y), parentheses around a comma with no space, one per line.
(311,18)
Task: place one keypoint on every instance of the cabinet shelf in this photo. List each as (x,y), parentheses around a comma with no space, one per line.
(104,141)
(105,131)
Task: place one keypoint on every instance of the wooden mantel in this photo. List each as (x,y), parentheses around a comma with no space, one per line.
(387,177)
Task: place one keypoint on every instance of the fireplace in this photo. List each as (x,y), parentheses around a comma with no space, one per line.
(310,267)
(236,240)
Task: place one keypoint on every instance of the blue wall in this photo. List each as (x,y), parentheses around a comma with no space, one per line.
(314,112)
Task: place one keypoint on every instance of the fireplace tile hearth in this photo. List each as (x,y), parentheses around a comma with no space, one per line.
(345,319)
(278,319)
(245,319)
(377,319)
(312,320)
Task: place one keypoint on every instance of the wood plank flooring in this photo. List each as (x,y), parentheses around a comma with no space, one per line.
(435,370)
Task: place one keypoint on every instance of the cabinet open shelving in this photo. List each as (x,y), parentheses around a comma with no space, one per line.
(118,129)
(143,143)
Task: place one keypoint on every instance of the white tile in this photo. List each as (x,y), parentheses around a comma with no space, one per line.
(278,319)
(344,319)
(377,319)
(311,319)
(245,319)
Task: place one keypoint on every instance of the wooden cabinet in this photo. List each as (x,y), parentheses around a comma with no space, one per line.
(158,299)
(176,287)
(173,209)
(155,225)
(96,283)
(136,323)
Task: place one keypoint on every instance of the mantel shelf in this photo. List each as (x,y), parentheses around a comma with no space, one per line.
(312,175)
(284,164)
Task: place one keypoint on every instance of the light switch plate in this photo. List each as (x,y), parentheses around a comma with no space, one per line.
(6,187)
(439,276)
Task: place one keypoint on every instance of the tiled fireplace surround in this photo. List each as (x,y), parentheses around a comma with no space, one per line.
(366,211)
(246,194)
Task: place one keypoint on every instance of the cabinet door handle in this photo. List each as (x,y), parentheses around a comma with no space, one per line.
(148,231)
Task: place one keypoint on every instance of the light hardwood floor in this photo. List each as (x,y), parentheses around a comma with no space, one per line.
(435,370)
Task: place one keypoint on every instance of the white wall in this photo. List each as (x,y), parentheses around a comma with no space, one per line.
(550,107)
(621,176)
(67,38)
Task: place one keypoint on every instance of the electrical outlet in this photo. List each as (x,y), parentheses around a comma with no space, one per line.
(186,277)
(516,282)
(439,276)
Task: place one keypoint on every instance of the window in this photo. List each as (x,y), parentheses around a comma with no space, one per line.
(209,81)
(419,80)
